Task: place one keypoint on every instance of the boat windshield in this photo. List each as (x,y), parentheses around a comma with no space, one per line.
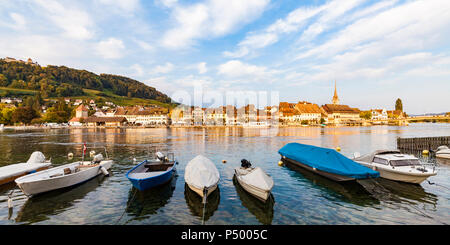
(406,162)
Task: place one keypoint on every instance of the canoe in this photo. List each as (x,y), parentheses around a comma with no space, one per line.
(62,176)
(255,181)
(326,162)
(37,162)
(201,176)
(152,173)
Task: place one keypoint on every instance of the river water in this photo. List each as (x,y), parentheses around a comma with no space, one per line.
(298,197)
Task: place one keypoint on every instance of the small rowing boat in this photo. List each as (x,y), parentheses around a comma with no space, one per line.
(326,162)
(201,176)
(254,180)
(151,173)
(63,176)
(37,162)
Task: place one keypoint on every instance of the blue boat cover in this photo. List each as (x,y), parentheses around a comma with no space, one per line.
(327,160)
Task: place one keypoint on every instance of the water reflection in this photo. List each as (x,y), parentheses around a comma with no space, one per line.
(263,211)
(194,202)
(40,207)
(142,204)
(409,193)
(350,191)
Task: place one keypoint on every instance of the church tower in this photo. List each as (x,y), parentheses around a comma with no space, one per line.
(335,97)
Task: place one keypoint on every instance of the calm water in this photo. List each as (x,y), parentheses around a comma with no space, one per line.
(298,197)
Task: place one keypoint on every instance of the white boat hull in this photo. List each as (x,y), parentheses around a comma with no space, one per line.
(11,172)
(396,175)
(263,195)
(200,191)
(41,182)
(443,156)
(257,191)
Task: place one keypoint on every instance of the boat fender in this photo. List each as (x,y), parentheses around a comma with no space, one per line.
(70,155)
(224,161)
(104,171)
(338,148)
(10,202)
(280,163)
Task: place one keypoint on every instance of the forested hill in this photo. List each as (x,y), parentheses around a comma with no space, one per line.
(61,81)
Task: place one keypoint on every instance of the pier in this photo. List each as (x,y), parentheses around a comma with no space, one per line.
(423,143)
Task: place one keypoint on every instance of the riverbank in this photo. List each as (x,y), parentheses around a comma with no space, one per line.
(32,127)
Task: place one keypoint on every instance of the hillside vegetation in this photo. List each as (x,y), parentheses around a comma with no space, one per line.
(18,78)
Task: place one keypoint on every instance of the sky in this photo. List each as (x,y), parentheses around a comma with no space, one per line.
(376,51)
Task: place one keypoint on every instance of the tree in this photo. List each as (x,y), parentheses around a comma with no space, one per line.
(365,114)
(3,81)
(24,115)
(398,105)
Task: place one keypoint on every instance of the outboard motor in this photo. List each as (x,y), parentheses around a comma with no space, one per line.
(97,158)
(245,163)
(160,156)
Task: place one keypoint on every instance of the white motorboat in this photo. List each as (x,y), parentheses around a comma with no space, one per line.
(37,162)
(396,166)
(63,176)
(255,181)
(443,152)
(201,176)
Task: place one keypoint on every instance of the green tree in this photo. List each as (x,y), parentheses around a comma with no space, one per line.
(365,114)
(3,81)
(398,105)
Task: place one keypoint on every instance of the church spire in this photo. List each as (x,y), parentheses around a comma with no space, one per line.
(335,97)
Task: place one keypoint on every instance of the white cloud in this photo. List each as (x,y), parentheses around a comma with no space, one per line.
(76,23)
(111,48)
(166,68)
(19,21)
(214,18)
(138,70)
(236,68)
(202,67)
(124,5)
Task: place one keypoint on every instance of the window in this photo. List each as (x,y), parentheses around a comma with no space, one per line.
(406,162)
(380,160)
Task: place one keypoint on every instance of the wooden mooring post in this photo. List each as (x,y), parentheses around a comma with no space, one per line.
(424,143)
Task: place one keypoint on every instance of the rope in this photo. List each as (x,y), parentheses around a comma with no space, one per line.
(429,182)
(128,205)
(205,194)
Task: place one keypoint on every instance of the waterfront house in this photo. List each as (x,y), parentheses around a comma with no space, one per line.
(105,121)
(307,112)
(379,114)
(198,115)
(216,116)
(231,115)
(81,113)
(247,114)
(342,114)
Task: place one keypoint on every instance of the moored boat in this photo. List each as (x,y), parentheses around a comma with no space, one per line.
(63,176)
(443,152)
(254,180)
(396,166)
(202,176)
(151,173)
(326,162)
(35,163)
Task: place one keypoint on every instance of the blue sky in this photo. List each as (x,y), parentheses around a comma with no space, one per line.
(377,51)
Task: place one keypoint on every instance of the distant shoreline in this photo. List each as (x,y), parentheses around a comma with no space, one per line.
(191,126)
